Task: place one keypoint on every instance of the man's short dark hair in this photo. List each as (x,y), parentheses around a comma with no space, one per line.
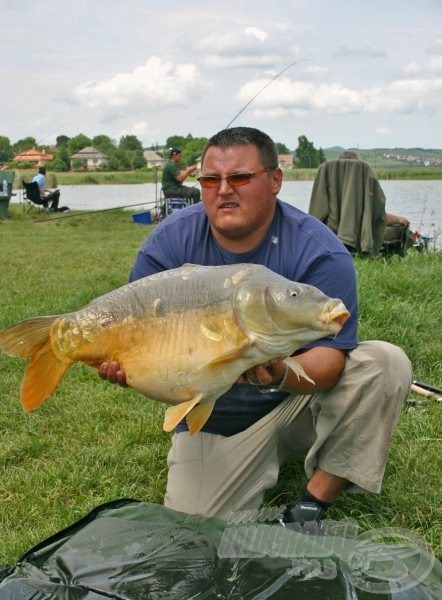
(42,170)
(238,136)
(349,154)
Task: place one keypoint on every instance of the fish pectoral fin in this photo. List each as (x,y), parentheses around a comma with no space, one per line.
(297,368)
(41,378)
(233,355)
(175,414)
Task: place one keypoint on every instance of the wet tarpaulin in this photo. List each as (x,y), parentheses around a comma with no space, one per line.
(134,550)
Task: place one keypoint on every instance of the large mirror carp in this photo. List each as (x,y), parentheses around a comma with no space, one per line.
(183,336)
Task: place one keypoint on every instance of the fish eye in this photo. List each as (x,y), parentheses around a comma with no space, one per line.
(293,293)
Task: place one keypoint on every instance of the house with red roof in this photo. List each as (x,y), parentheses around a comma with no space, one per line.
(35,157)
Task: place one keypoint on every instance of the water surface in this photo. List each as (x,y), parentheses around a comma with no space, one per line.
(419,200)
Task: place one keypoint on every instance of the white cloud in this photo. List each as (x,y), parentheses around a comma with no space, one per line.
(182,65)
(250,47)
(285,96)
(317,71)
(142,130)
(412,68)
(259,34)
(241,61)
(154,84)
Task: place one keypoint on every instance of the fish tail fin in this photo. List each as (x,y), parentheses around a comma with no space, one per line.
(194,411)
(26,338)
(31,339)
(41,378)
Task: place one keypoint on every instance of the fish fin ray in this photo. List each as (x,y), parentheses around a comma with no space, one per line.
(41,378)
(175,414)
(26,338)
(297,369)
(199,414)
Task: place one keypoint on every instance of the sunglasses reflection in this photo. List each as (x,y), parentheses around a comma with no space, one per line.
(234,180)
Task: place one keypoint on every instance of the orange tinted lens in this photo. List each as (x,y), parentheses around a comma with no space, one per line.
(209,182)
(239,179)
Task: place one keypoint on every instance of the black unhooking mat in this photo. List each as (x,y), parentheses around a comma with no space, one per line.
(133,550)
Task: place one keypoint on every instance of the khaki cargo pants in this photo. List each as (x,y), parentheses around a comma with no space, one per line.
(346,431)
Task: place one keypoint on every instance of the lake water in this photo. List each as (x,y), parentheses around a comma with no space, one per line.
(419,200)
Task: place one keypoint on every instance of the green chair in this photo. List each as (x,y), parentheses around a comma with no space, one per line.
(6,181)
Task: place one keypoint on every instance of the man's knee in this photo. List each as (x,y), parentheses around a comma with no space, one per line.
(385,367)
(389,357)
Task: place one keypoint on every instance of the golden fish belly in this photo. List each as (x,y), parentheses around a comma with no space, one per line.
(176,363)
(166,357)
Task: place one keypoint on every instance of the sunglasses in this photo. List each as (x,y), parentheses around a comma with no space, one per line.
(235,180)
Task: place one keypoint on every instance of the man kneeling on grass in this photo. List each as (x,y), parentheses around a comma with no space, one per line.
(343,424)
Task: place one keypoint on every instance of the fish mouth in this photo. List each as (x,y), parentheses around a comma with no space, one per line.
(334,315)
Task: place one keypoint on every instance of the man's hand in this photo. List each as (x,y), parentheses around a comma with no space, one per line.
(323,365)
(112,372)
(269,374)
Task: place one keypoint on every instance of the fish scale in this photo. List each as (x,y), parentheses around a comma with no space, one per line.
(182,337)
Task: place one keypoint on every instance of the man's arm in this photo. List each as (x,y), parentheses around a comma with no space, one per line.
(322,364)
(396,220)
(184,173)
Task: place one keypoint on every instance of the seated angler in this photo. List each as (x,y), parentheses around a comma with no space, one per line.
(174,175)
(50,199)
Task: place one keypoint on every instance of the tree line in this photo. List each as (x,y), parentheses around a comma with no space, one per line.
(127,153)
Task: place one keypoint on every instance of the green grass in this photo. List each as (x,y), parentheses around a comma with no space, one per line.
(93,442)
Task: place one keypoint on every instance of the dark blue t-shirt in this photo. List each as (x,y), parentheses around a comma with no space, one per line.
(297,246)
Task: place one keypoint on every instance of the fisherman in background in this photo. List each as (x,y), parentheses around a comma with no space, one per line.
(50,199)
(174,174)
(390,219)
(347,196)
(342,424)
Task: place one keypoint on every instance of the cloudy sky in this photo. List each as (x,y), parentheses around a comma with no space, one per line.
(353,74)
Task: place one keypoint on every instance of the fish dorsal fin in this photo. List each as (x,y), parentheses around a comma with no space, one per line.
(297,368)
(175,414)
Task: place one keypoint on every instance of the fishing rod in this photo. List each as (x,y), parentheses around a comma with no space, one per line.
(227,126)
(427,386)
(261,90)
(264,87)
(89,212)
(50,133)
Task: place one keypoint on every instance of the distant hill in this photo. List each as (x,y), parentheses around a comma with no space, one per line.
(392,157)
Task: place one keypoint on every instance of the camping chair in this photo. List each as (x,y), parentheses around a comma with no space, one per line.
(397,240)
(32,198)
(173,204)
(348,198)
